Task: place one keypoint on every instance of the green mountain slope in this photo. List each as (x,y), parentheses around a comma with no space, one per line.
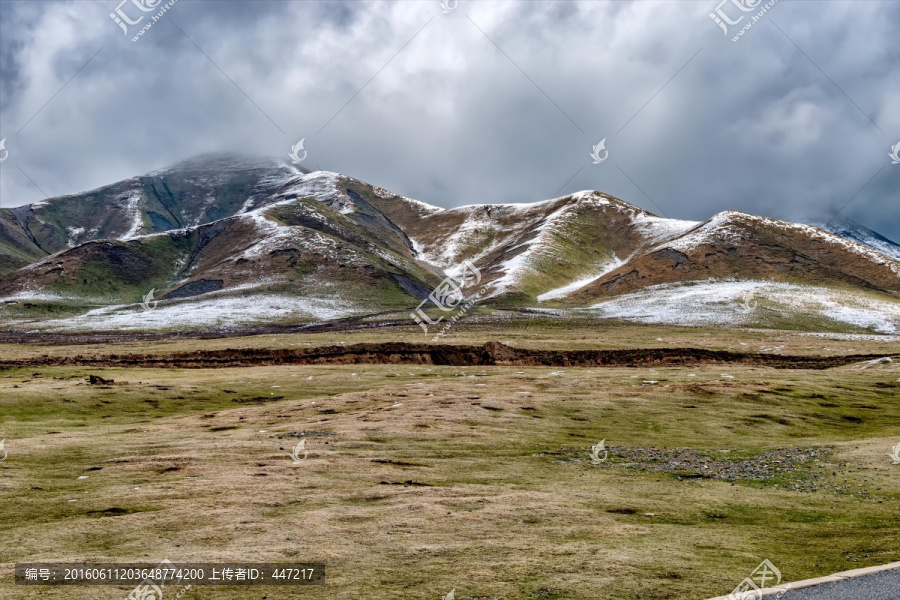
(17,248)
(226,229)
(294,244)
(191,193)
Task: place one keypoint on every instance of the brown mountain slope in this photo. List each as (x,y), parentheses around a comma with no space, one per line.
(525,250)
(295,245)
(323,234)
(190,193)
(742,246)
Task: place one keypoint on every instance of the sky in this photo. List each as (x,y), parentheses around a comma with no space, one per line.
(471,102)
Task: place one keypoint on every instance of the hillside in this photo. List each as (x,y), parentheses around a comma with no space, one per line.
(332,247)
(743,246)
(220,235)
(188,194)
(851,230)
(529,250)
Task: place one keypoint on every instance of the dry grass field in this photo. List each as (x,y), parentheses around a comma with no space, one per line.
(421,479)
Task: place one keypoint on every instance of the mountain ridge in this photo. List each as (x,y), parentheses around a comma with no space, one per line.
(219,226)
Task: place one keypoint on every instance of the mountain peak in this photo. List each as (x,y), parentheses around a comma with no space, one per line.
(851,230)
(227,161)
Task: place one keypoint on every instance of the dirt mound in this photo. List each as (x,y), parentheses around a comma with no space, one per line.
(491,354)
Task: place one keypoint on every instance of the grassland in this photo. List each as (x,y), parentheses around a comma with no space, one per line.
(428,478)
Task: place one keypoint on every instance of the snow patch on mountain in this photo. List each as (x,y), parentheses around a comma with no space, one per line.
(276,175)
(515,267)
(551,217)
(324,187)
(43,296)
(74,233)
(423,206)
(741,303)
(271,237)
(212,312)
(418,248)
(658,229)
(853,231)
(720,227)
(562,292)
(486,215)
(476,217)
(594,196)
(556,225)
(132,209)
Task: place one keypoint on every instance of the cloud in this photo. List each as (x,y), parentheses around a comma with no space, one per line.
(497,101)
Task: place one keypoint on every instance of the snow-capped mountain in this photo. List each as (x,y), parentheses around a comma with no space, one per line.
(223,235)
(847,228)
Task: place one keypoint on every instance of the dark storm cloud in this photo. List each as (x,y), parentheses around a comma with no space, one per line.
(492,102)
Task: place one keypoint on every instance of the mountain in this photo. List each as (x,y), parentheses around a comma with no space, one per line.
(228,239)
(526,251)
(744,246)
(313,236)
(851,230)
(188,194)
(17,247)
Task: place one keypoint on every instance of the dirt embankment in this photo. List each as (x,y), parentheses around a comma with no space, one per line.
(491,354)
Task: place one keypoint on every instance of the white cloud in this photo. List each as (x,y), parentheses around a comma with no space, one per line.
(752,126)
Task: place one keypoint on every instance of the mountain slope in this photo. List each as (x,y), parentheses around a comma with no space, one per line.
(191,193)
(853,231)
(293,245)
(17,248)
(743,246)
(268,240)
(528,250)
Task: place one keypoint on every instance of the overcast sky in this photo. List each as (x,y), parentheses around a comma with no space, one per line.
(490,102)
